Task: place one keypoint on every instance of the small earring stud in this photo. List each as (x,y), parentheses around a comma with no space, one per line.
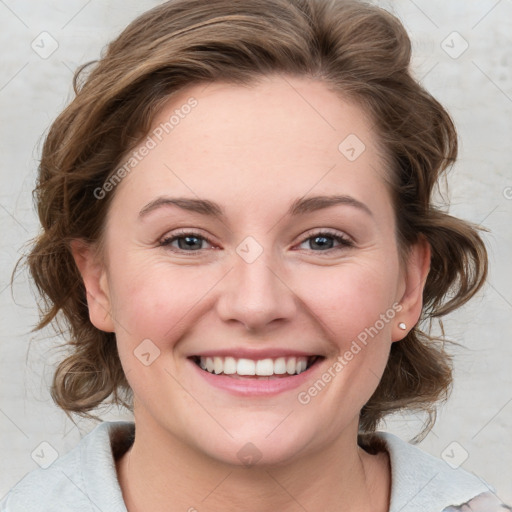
(402,326)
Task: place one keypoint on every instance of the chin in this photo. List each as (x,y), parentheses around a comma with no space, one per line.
(256,443)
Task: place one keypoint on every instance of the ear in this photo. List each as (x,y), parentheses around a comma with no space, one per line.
(414,278)
(94,276)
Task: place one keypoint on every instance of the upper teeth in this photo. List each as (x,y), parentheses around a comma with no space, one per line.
(230,365)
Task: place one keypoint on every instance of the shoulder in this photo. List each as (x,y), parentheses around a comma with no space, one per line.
(84,479)
(420,481)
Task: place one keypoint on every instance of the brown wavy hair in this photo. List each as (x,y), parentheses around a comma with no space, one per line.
(359,50)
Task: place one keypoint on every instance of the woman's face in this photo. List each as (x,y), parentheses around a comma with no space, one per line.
(257,230)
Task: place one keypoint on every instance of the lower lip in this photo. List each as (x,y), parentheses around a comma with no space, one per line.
(256,387)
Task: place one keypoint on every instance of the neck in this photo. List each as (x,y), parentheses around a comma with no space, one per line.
(161,472)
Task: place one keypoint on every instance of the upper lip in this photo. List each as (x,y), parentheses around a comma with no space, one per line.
(245,353)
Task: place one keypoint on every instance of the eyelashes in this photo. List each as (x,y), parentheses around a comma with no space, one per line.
(343,240)
(189,240)
(184,235)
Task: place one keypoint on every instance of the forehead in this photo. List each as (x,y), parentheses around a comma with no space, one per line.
(278,138)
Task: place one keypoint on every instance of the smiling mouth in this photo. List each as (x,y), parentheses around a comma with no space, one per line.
(268,368)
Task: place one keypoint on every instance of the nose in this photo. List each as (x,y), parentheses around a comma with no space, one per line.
(256,295)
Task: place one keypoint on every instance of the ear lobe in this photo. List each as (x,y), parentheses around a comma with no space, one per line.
(415,276)
(94,276)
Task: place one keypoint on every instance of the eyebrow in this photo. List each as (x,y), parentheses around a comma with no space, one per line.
(298,207)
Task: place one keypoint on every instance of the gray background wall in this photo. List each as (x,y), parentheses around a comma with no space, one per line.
(462,54)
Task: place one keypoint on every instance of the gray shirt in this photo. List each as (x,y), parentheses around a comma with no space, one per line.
(85,479)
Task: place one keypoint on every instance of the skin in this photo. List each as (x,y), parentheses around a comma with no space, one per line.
(254,150)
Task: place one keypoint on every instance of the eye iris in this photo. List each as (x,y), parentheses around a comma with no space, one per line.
(325,242)
(191,242)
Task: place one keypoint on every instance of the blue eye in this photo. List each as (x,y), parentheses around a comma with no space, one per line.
(187,241)
(323,240)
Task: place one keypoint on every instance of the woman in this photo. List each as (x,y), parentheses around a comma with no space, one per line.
(238,229)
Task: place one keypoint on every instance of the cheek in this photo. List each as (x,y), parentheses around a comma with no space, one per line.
(354,304)
(159,303)
(351,298)
(357,308)
(153,299)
